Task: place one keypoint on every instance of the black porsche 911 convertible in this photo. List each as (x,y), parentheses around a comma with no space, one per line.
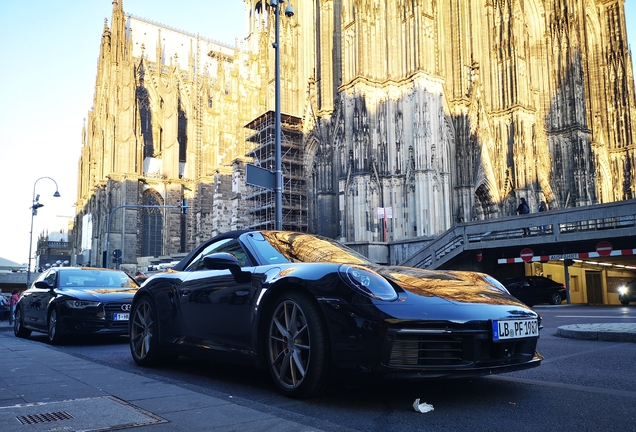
(311,310)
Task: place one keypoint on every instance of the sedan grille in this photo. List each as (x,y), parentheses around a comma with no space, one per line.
(116,308)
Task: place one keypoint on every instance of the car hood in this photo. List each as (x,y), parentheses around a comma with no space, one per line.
(447,286)
(99,294)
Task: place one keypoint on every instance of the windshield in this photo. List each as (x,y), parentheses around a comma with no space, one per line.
(280,246)
(88,279)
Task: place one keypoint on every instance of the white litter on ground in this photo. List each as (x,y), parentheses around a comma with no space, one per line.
(422,407)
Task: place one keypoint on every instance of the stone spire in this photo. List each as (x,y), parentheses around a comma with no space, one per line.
(118,30)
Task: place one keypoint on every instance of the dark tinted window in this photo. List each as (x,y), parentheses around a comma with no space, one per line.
(516,283)
(231,246)
(544,282)
(50,278)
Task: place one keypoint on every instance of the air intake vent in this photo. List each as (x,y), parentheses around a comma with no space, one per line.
(427,350)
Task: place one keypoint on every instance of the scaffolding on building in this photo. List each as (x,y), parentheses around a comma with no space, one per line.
(261,202)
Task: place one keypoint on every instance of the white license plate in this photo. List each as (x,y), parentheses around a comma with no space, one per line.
(121,317)
(514,329)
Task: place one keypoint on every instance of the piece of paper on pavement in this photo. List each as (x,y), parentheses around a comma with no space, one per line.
(422,407)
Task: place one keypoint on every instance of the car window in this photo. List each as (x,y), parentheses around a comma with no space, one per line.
(516,283)
(89,279)
(50,278)
(299,247)
(546,283)
(228,245)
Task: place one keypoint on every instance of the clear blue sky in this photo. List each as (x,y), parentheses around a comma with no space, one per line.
(47,80)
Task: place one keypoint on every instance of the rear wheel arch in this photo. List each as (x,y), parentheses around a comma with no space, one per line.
(556,298)
(18,324)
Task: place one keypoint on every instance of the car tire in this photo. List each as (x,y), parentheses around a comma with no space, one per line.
(625,302)
(18,325)
(143,335)
(556,299)
(296,347)
(54,328)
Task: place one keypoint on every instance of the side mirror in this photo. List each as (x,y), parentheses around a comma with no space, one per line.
(226,261)
(42,284)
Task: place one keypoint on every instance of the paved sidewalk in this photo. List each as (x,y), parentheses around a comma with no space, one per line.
(612,332)
(44,389)
(609,332)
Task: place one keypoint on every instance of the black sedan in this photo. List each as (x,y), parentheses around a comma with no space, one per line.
(311,310)
(627,292)
(72,300)
(534,290)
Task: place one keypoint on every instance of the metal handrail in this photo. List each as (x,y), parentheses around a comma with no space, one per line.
(473,235)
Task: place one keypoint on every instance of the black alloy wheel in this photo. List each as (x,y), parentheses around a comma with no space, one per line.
(556,299)
(54,333)
(297,347)
(623,302)
(143,333)
(18,325)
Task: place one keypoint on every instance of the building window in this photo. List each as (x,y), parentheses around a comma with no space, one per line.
(152,225)
(145,119)
(182,136)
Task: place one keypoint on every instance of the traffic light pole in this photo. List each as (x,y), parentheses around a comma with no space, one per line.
(184,209)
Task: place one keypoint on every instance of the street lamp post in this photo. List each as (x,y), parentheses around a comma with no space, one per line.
(289,12)
(35,205)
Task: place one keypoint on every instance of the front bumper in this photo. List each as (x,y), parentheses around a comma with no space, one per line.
(70,325)
(419,352)
(94,320)
(458,353)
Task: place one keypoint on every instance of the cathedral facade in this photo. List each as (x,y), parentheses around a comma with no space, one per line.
(402,119)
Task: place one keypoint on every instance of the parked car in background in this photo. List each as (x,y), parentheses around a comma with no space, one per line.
(627,292)
(534,290)
(66,301)
(312,311)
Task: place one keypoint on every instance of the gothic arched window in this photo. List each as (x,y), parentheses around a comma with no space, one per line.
(182,136)
(145,119)
(152,225)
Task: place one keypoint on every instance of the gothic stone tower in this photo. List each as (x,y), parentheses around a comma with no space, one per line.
(450,110)
(442,111)
(167,124)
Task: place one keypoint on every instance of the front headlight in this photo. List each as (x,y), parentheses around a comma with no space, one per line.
(367,282)
(81,304)
(622,290)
